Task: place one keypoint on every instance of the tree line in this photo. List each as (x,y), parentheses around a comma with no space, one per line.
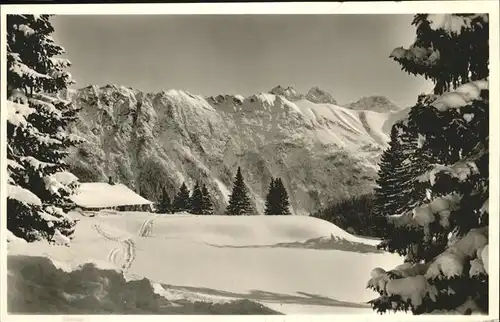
(199,202)
(356,215)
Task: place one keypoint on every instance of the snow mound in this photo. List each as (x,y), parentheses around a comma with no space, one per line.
(240,230)
(38,285)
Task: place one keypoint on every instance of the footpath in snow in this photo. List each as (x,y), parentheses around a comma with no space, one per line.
(184,264)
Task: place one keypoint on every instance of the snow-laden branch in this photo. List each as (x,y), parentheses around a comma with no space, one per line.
(28,31)
(438,209)
(14,164)
(461,170)
(17,113)
(59,181)
(414,281)
(424,56)
(23,195)
(24,71)
(452,261)
(35,163)
(455,24)
(462,96)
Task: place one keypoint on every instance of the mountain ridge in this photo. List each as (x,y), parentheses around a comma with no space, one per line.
(323,152)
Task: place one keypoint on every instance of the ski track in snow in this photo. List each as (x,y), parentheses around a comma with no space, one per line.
(126,252)
(146,228)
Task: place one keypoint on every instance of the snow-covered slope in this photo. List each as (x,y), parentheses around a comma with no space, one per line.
(293,264)
(149,140)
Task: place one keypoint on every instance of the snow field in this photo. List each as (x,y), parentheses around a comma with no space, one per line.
(217,258)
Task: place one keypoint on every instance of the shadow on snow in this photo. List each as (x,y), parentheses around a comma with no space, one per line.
(321,243)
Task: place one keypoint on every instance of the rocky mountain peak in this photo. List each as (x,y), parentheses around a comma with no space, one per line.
(375,103)
(319,96)
(224,99)
(289,93)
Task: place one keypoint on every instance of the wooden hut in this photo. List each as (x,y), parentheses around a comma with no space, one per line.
(95,196)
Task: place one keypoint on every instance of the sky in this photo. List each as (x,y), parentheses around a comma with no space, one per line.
(345,55)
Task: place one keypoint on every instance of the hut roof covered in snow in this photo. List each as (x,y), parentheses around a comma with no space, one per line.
(104,195)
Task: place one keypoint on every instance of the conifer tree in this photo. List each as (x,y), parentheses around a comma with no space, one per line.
(270,199)
(196,201)
(182,199)
(239,202)
(277,202)
(444,234)
(283,203)
(206,205)
(397,189)
(38,183)
(165,205)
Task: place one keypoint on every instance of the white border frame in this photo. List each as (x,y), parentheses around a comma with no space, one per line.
(491,7)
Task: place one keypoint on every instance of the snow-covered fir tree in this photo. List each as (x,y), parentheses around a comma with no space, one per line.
(38,183)
(165,204)
(449,50)
(239,201)
(182,200)
(277,202)
(206,202)
(196,201)
(445,234)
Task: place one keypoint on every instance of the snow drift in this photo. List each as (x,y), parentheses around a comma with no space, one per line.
(37,285)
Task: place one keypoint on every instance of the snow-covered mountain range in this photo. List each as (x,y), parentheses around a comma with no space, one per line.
(322,151)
